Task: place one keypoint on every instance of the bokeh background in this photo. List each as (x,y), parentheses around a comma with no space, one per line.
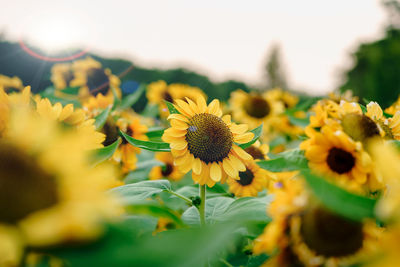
(310,46)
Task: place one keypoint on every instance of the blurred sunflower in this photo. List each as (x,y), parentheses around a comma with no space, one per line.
(168,170)
(333,153)
(88,75)
(288,100)
(129,123)
(159,91)
(305,233)
(347,95)
(62,75)
(94,105)
(394,107)
(256,108)
(250,182)
(205,143)
(11,83)
(65,201)
(258,151)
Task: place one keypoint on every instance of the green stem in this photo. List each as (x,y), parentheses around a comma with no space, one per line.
(202,206)
(187,200)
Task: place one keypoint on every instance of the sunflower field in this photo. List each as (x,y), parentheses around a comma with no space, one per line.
(267,178)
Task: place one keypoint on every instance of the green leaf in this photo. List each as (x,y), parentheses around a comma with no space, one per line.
(131,99)
(121,247)
(102,154)
(224,209)
(149,164)
(302,122)
(153,209)
(171,108)
(287,161)
(151,110)
(193,191)
(155,134)
(257,133)
(49,94)
(117,100)
(349,205)
(101,119)
(141,190)
(71,90)
(148,145)
(363,108)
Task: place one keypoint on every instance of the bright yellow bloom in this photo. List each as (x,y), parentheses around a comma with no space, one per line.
(205,143)
(250,182)
(169,170)
(63,198)
(10,83)
(307,234)
(159,91)
(256,108)
(332,153)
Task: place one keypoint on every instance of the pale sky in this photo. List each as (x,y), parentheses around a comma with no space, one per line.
(221,38)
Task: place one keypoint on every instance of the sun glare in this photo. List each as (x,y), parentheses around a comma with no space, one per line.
(55,34)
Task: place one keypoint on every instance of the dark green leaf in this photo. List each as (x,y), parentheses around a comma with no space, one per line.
(155,134)
(117,100)
(149,164)
(131,99)
(101,119)
(141,190)
(349,205)
(70,90)
(148,145)
(171,108)
(287,161)
(122,247)
(257,133)
(102,154)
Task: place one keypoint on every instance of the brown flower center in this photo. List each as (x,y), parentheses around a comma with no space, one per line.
(359,127)
(209,138)
(166,170)
(329,234)
(167,96)
(255,152)
(24,186)
(340,161)
(246,177)
(111,131)
(68,77)
(97,81)
(256,106)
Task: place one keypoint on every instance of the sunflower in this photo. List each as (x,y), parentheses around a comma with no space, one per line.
(62,75)
(94,105)
(335,154)
(205,143)
(394,107)
(93,79)
(256,108)
(10,83)
(65,200)
(130,123)
(168,170)
(347,95)
(250,182)
(159,91)
(305,233)
(288,100)
(258,151)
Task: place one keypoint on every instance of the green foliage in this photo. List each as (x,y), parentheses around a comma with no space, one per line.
(148,145)
(101,119)
(257,133)
(131,99)
(141,190)
(171,108)
(375,74)
(102,154)
(291,160)
(349,205)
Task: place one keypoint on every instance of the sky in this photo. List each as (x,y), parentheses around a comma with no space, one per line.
(224,39)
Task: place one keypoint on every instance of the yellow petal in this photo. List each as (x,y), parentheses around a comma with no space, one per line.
(179,125)
(213,107)
(241,153)
(229,169)
(237,163)
(178,117)
(178,145)
(215,172)
(239,128)
(197,166)
(227,119)
(201,104)
(244,138)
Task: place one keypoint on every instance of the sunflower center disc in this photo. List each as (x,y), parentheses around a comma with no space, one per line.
(110,129)
(246,177)
(68,77)
(257,107)
(255,152)
(166,170)
(340,161)
(167,96)
(209,138)
(97,81)
(359,127)
(329,234)
(24,186)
